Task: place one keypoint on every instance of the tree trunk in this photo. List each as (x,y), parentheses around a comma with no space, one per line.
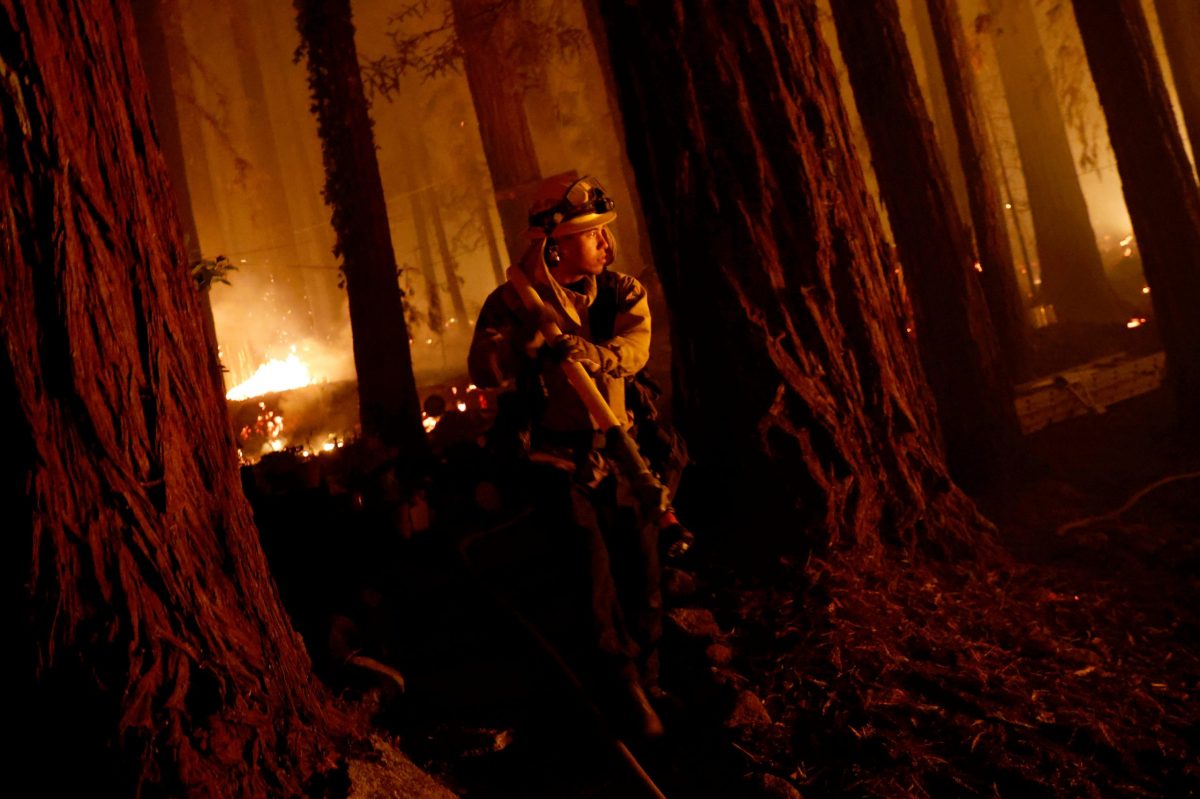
(387,391)
(938,103)
(436,317)
(484,27)
(280,256)
(799,391)
(1180,20)
(1073,278)
(150,19)
(1160,190)
(953,330)
(449,266)
(999,274)
(154,655)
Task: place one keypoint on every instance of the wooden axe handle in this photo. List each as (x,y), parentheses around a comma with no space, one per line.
(578,377)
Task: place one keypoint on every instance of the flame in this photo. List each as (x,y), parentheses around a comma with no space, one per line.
(1145,289)
(1136,321)
(274,375)
(1125,241)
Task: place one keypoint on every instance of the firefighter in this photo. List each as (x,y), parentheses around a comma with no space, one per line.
(605,317)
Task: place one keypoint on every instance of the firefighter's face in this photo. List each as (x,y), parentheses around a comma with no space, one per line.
(581,254)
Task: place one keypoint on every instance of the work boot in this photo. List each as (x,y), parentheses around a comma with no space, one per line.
(674,540)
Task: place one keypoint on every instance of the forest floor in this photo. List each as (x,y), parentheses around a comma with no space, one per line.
(1068,665)
(1065,664)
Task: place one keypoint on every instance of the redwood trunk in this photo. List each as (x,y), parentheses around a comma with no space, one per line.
(153,653)
(1073,279)
(449,266)
(387,390)
(1180,21)
(484,28)
(953,330)
(1160,189)
(799,390)
(999,274)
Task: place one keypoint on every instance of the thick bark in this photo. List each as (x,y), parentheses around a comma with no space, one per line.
(999,274)
(954,333)
(154,654)
(387,391)
(1073,279)
(484,27)
(798,388)
(1180,20)
(150,17)
(1160,189)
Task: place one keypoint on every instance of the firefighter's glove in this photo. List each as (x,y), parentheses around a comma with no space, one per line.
(529,338)
(596,359)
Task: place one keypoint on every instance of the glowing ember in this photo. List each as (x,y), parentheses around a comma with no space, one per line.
(1136,321)
(1125,241)
(274,375)
(978,266)
(429,423)
(1145,289)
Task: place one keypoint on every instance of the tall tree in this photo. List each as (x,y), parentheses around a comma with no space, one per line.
(387,391)
(1160,189)
(954,334)
(1073,279)
(999,274)
(1179,21)
(152,21)
(938,102)
(154,656)
(485,28)
(797,384)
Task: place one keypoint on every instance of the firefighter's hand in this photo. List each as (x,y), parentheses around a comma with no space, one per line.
(569,348)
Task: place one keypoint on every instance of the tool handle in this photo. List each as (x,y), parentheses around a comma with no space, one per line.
(577,376)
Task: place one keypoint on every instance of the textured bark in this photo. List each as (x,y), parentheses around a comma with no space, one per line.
(954,333)
(484,27)
(152,651)
(999,274)
(387,391)
(1160,189)
(798,388)
(1073,279)
(151,20)
(1180,21)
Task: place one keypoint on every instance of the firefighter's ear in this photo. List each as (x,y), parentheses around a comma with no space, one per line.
(611,240)
(552,255)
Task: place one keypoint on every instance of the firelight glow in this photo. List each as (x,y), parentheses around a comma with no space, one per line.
(274,375)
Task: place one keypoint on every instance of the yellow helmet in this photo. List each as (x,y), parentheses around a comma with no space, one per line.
(565,205)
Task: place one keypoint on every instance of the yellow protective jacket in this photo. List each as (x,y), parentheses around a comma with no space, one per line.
(505,341)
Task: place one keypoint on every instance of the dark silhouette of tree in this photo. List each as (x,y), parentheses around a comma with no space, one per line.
(1160,188)
(388,402)
(796,384)
(1179,20)
(954,334)
(152,653)
(1073,279)
(485,28)
(999,274)
(153,18)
